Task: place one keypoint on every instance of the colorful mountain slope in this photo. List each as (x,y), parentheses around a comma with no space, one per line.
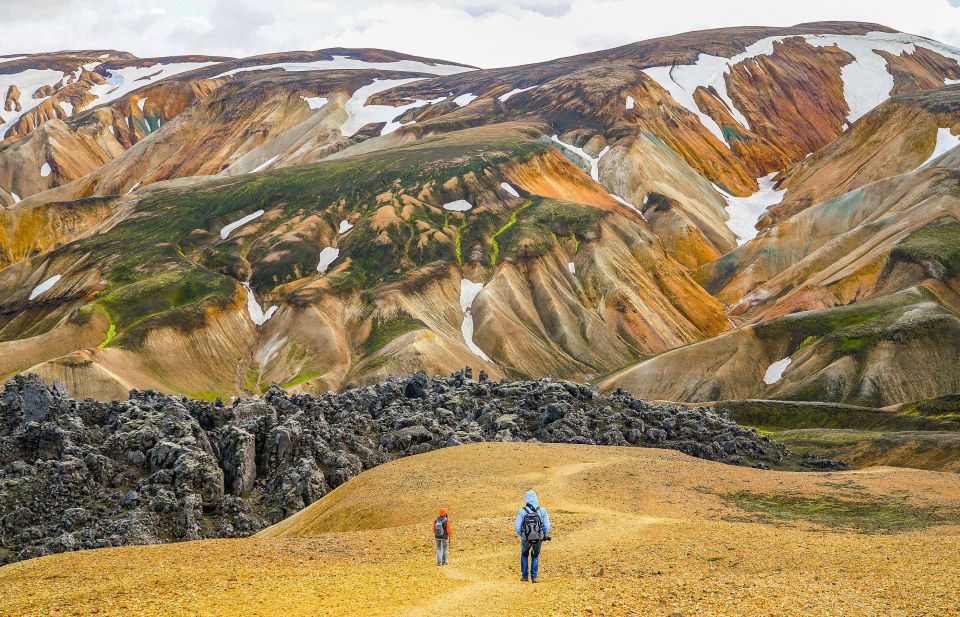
(323,218)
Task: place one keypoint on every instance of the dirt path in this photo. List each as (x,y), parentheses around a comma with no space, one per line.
(483,571)
(636,532)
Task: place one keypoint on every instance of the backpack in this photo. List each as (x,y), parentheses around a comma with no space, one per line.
(532,526)
(440,528)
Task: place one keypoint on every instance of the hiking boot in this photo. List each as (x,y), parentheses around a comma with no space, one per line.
(523,579)
(533,580)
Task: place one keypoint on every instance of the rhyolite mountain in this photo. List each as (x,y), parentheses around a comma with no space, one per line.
(745,213)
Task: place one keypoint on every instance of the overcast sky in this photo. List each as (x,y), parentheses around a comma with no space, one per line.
(484,33)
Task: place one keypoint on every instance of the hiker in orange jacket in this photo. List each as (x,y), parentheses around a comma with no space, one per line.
(442,533)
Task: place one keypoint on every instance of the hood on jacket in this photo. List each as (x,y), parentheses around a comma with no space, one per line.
(443,511)
(531,498)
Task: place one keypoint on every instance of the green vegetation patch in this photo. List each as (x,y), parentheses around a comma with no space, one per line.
(935,450)
(164,291)
(111,333)
(384,331)
(876,515)
(510,222)
(301,377)
(947,406)
(934,244)
(167,255)
(539,222)
(773,416)
(854,328)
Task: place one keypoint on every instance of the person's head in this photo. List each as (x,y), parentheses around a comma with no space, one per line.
(443,511)
(531,498)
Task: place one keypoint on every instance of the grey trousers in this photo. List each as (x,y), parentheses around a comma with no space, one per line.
(442,550)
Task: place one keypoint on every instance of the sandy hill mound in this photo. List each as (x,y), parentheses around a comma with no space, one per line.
(637,531)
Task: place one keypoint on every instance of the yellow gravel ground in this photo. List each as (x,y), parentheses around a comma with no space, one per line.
(636,532)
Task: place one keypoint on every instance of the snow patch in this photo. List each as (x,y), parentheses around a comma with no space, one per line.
(45,170)
(630,102)
(460,205)
(327,256)
(315,102)
(681,81)
(503,97)
(393,125)
(44,286)
(257,314)
(264,164)
(133,188)
(594,161)
(67,108)
(945,143)
(866,81)
(359,114)
(468,293)
(572,268)
(27,82)
(746,211)
(122,81)
(345,226)
(950,82)
(337,63)
(142,102)
(16,198)
(505,186)
(775,371)
(465,99)
(229,228)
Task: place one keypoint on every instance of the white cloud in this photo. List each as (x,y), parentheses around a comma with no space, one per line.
(480,32)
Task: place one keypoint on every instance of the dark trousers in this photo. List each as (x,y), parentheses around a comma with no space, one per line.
(529,554)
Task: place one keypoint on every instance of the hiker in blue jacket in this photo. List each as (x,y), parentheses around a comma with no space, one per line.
(532,527)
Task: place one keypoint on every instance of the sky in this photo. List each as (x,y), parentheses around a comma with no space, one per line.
(485,33)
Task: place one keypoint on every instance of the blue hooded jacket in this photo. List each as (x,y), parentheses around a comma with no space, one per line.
(531,498)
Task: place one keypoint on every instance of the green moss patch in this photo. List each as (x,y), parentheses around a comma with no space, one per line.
(167,255)
(855,328)
(937,244)
(510,222)
(539,223)
(384,331)
(947,406)
(177,287)
(876,515)
(773,416)
(301,377)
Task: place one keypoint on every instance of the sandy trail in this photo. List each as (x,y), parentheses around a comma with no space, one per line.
(636,532)
(483,571)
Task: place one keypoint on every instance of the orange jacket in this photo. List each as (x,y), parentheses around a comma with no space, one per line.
(449,528)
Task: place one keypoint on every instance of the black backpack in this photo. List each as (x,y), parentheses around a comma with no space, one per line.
(532,526)
(440,528)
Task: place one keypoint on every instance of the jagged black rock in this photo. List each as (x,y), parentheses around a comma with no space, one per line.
(77,474)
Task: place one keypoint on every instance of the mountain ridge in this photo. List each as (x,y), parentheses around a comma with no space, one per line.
(637,200)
